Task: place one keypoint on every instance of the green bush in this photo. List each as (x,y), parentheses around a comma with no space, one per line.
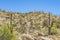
(54,30)
(22,29)
(58,24)
(5,32)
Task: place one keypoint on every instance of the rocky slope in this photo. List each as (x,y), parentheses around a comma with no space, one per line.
(32,25)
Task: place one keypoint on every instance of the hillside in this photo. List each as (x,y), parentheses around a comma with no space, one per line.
(32,25)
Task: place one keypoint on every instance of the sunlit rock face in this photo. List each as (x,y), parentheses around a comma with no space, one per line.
(30,26)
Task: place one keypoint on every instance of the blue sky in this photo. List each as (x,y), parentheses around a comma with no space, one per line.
(24,6)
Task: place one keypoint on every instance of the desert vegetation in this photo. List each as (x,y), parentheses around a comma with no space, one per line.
(29,26)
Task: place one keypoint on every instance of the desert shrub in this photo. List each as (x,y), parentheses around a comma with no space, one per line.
(57,24)
(45,30)
(5,32)
(53,30)
(22,29)
(37,26)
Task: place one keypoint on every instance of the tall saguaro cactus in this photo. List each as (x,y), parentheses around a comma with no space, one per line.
(50,24)
(11,24)
(49,28)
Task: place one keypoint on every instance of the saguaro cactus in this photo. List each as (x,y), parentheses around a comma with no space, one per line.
(49,28)
(11,24)
(50,24)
